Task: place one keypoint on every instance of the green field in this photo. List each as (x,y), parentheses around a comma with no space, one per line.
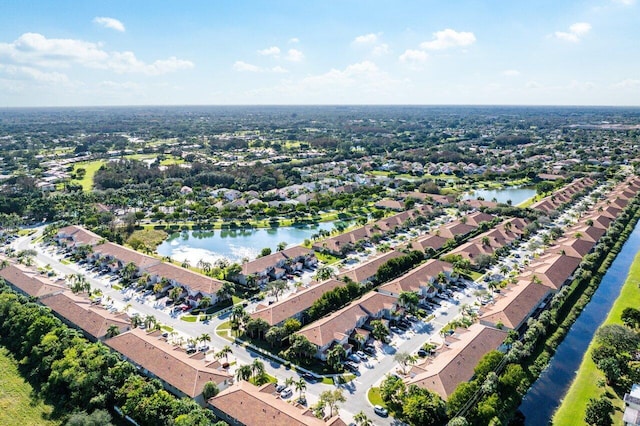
(91,168)
(585,385)
(17,406)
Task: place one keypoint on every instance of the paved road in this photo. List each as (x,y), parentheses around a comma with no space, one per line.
(371,373)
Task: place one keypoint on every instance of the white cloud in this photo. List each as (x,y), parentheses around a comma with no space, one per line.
(28,73)
(245,67)
(294,40)
(533,85)
(366,39)
(270,51)
(36,50)
(624,2)
(629,83)
(110,23)
(413,57)
(576,31)
(294,55)
(381,49)
(511,73)
(449,38)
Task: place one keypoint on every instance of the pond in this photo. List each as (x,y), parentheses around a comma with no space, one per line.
(516,194)
(234,244)
(547,392)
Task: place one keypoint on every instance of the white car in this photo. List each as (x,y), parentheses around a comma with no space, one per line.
(286,393)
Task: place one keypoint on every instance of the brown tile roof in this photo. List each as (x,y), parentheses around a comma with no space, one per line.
(417,277)
(125,255)
(514,305)
(93,319)
(166,362)
(368,269)
(296,303)
(574,247)
(263,263)
(29,281)
(478,217)
(390,204)
(250,405)
(454,228)
(456,363)
(585,231)
(339,324)
(79,235)
(552,269)
(296,251)
(436,242)
(194,281)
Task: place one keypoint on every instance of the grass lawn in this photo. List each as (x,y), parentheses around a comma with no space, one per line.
(374,397)
(16,403)
(189,318)
(585,385)
(91,168)
(327,258)
(151,238)
(65,262)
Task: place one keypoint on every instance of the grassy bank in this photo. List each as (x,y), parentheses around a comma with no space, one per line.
(17,406)
(585,385)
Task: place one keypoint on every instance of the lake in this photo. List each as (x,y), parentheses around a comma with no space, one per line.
(517,195)
(234,244)
(547,392)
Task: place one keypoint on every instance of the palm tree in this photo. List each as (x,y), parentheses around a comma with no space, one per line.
(112,331)
(224,352)
(289,381)
(150,321)
(186,264)
(257,370)
(361,419)
(204,338)
(300,385)
(243,373)
(135,321)
(174,293)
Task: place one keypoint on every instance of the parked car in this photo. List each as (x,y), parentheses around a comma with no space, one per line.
(361,355)
(422,353)
(280,388)
(355,358)
(351,366)
(302,400)
(370,350)
(381,411)
(286,393)
(308,377)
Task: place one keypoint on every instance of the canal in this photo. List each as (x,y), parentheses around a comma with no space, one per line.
(546,394)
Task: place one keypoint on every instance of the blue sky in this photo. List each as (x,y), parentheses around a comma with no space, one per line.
(139,52)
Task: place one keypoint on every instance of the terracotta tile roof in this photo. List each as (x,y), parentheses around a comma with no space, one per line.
(456,364)
(390,204)
(418,277)
(249,405)
(454,228)
(296,252)
(436,242)
(476,204)
(263,263)
(585,231)
(514,305)
(166,362)
(29,281)
(368,269)
(552,269)
(93,319)
(79,235)
(478,217)
(574,247)
(125,255)
(194,281)
(341,323)
(296,303)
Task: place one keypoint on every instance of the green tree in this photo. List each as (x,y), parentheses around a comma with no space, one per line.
(599,412)
(97,418)
(277,287)
(423,407)
(244,373)
(619,337)
(380,331)
(631,317)
(392,391)
(210,390)
(323,273)
(361,419)
(404,359)
(335,356)
(332,398)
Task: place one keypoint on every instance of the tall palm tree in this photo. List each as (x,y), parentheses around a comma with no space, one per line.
(224,352)
(300,385)
(361,419)
(243,373)
(205,338)
(289,381)
(257,369)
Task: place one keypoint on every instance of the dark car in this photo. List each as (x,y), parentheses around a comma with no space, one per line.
(369,350)
(422,353)
(309,377)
